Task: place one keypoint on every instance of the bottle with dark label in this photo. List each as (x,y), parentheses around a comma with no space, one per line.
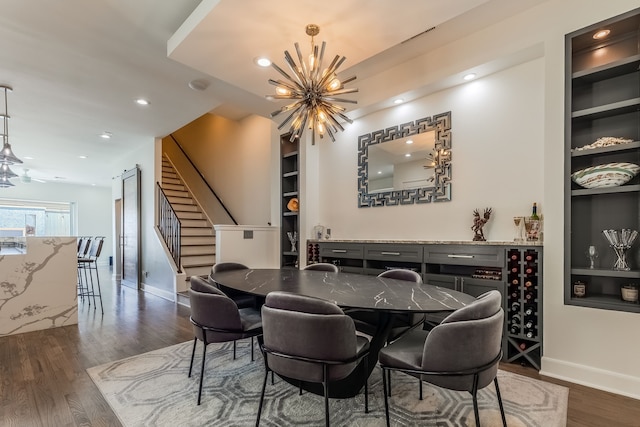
(534,212)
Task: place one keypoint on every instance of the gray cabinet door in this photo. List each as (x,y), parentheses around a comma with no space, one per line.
(442,280)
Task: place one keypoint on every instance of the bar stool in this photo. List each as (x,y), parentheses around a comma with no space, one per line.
(86,266)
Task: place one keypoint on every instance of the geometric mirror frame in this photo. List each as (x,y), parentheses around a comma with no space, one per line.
(435,188)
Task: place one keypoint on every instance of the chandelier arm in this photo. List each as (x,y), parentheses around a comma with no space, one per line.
(294,68)
(288,107)
(330,98)
(348,80)
(303,65)
(334,123)
(332,70)
(328,72)
(292,87)
(295,112)
(320,60)
(281,71)
(343,91)
(337,112)
(333,138)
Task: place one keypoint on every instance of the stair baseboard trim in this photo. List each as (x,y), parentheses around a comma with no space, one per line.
(170,296)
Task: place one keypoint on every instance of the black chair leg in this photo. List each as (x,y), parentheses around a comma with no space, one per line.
(474,393)
(252,349)
(385,391)
(204,355)
(420,386)
(325,383)
(193,353)
(389,381)
(366,386)
(234,350)
(504,419)
(264,386)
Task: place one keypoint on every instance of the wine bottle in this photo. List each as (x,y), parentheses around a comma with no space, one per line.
(534,212)
(515,281)
(528,283)
(522,346)
(515,329)
(514,269)
(528,311)
(515,319)
(528,325)
(529,334)
(515,307)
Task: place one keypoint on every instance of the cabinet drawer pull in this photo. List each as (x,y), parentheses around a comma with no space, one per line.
(459,256)
(390,253)
(339,251)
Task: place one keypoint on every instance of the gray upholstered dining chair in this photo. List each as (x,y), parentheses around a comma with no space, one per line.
(323,266)
(322,347)
(461,353)
(240,298)
(216,318)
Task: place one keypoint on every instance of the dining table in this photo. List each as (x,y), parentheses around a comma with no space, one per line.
(387,297)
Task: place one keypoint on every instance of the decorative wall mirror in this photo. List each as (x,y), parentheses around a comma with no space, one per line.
(406,164)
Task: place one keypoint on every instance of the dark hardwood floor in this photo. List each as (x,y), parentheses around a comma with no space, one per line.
(43,381)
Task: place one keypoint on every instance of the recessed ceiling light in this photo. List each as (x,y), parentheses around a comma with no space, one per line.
(409,141)
(469,76)
(408,155)
(82,157)
(105,135)
(199,85)
(601,34)
(398,101)
(262,62)
(379,172)
(142,101)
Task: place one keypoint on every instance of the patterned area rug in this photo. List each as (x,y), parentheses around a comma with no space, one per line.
(153,389)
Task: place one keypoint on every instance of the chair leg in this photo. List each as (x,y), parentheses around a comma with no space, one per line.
(366,386)
(385,391)
(474,393)
(252,349)
(389,381)
(234,350)
(504,419)
(325,383)
(420,386)
(204,354)
(193,353)
(99,289)
(264,386)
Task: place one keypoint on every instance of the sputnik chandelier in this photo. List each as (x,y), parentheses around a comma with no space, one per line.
(6,155)
(314,92)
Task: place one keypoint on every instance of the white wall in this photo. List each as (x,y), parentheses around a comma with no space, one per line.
(508,151)
(93,207)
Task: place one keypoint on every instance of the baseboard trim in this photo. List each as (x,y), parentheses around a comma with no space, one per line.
(601,379)
(170,296)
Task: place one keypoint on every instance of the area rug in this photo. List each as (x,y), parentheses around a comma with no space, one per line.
(153,389)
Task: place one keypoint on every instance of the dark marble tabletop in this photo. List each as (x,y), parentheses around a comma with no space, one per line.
(346,290)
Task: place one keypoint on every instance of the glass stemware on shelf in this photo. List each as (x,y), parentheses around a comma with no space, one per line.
(592,254)
(621,241)
(518,222)
(293,238)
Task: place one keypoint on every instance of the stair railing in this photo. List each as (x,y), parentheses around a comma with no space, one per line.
(169,225)
(203,179)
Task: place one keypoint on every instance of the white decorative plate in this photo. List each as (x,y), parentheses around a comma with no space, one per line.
(607,175)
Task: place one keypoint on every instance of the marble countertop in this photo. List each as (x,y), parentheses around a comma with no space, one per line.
(428,242)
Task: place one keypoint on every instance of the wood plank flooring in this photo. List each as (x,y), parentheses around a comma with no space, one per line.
(43,381)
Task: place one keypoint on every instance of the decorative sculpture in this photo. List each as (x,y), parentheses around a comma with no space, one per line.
(478,223)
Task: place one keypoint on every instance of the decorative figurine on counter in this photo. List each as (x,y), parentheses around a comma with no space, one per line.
(478,223)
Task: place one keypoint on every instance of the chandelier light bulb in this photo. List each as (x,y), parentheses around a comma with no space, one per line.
(282,91)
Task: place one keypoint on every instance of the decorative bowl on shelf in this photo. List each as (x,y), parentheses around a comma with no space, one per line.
(629,293)
(607,175)
(292,205)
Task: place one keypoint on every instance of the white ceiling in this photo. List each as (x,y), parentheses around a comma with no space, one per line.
(77,66)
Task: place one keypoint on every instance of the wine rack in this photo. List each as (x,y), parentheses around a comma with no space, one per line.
(524,306)
(313,253)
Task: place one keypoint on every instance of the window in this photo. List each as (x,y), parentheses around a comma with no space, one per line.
(35,218)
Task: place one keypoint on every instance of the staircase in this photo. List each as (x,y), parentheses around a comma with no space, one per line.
(197,236)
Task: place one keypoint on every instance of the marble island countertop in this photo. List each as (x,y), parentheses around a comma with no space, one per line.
(429,242)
